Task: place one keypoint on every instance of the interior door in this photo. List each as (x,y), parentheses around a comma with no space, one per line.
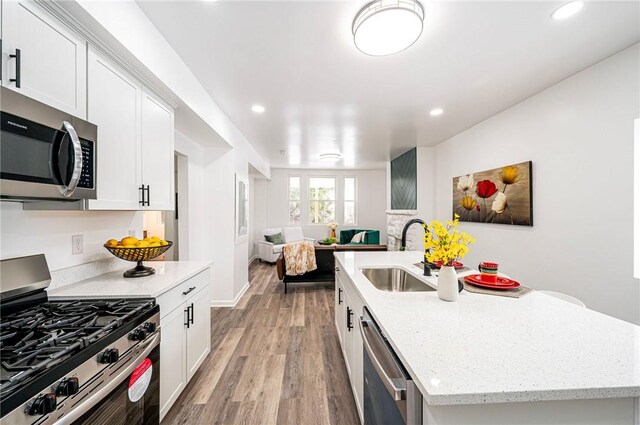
(114,106)
(173,373)
(52,60)
(198,345)
(157,152)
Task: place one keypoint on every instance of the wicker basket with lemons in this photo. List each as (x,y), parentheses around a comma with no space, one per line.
(131,248)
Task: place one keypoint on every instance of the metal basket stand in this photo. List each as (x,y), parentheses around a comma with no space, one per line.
(140,270)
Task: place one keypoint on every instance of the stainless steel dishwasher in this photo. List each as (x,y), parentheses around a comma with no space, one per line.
(390,395)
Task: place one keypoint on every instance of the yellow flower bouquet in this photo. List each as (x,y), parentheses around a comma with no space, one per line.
(445,243)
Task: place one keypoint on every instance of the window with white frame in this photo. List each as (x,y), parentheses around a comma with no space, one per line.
(294,200)
(322,200)
(349,211)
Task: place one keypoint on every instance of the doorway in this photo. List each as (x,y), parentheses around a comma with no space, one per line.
(172,225)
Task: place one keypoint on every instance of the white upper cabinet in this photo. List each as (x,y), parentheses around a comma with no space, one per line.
(157,153)
(114,106)
(50,60)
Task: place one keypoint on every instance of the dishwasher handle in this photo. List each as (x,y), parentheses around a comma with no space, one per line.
(397,387)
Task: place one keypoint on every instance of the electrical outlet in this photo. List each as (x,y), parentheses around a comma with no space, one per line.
(77,244)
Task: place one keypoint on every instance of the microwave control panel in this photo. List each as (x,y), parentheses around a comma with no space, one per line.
(87,177)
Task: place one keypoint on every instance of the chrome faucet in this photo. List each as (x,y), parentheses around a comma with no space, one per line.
(403,242)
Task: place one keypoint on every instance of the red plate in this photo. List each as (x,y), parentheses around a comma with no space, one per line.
(456,264)
(502,283)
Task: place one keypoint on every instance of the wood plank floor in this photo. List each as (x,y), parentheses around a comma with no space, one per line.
(275,359)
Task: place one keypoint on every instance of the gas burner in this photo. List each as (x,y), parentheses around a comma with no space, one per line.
(38,338)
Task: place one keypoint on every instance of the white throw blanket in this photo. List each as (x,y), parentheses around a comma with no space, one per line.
(300,258)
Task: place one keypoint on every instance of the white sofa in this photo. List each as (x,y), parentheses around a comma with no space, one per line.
(269,252)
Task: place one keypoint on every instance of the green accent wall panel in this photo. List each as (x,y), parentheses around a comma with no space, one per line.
(404,181)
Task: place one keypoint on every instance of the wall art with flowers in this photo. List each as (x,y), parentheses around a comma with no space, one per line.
(501,195)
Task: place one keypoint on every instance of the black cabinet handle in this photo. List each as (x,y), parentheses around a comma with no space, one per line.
(188,290)
(186,323)
(339,296)
(18,58)
(141,188)
(191,316)
(148,195)
(349,323)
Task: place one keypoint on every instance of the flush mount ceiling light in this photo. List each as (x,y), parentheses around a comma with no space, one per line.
(435,112)
(258,109)
(567,10)
(330,157)
(385,27)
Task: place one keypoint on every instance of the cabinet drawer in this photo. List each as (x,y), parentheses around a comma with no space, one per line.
(175,297)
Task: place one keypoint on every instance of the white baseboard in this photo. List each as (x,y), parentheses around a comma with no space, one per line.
(252,259)
(230,303)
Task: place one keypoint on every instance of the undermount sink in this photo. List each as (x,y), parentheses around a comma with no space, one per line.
(395,280)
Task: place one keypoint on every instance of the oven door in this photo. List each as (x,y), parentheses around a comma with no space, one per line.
(134,401)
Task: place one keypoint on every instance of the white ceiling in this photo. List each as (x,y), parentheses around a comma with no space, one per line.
(297,58)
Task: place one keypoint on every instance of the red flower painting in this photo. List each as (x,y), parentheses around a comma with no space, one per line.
(486,189)
(500,195)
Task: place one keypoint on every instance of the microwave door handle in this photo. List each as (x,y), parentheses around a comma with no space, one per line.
(67,190)
(397,387)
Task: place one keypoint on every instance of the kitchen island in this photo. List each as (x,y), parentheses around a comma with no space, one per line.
(490,360)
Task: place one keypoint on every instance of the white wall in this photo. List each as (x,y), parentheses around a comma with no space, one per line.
(370,204)
(579,135)
(636,202)
(192,216)
(258,208)
(49,232)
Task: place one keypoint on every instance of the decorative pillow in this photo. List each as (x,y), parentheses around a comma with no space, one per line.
(276,239)
(358,237)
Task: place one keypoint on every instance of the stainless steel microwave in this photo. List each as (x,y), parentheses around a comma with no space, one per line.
(45,154)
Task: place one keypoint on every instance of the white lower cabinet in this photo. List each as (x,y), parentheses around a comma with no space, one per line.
(185,324)
(198,331)
(173,364)
(348,311)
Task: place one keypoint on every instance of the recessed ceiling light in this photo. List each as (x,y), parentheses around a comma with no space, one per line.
(330,157)
(258,109)
(385,27)
(435,112)
(567,10)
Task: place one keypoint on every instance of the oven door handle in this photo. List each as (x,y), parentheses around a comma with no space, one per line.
(397,387)
(96,397)
(68,189)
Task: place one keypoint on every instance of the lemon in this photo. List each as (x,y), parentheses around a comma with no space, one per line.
(129,246)
(154,244)
(111,243)
(129,240)
(164,243)
(148,240)
(120,246)
(142,244)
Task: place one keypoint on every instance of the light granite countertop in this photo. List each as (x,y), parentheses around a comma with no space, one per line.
(113,285)
(491,349)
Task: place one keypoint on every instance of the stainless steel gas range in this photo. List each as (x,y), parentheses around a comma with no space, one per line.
(76,361)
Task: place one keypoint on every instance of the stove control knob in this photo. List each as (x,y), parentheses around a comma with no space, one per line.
(149,327)
(137,335)
(109,356)
(67,387)
(43,405)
